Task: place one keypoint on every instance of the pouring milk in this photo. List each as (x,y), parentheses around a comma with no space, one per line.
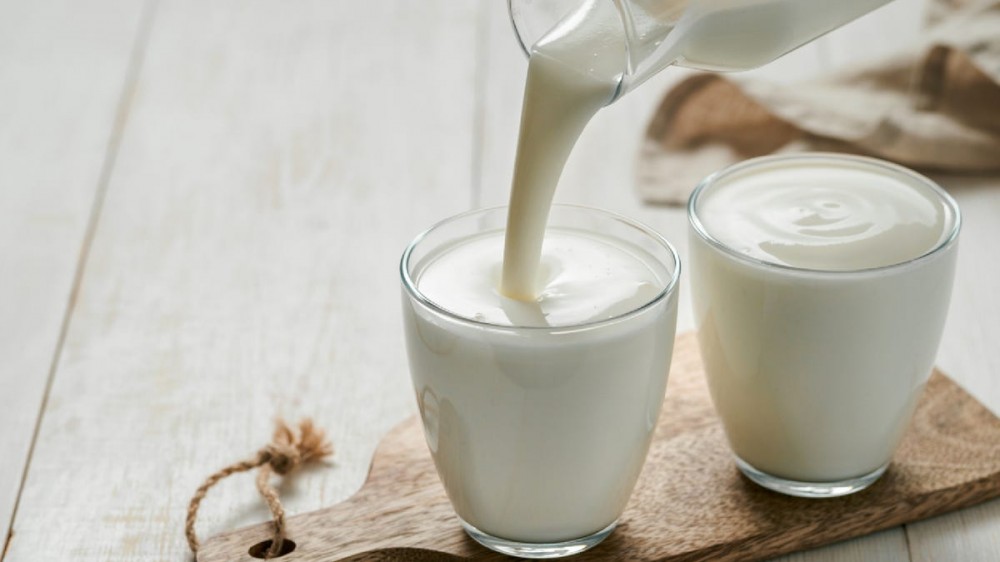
(602,48)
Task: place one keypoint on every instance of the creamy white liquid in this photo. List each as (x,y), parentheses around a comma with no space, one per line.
(573,72)
(585,278)
(539,432)
(828,215)
(577,68)
(744,34)
(815,371)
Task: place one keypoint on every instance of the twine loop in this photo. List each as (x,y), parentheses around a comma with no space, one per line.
(287,451)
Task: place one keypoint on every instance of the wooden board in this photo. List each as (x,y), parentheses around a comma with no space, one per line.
(690,503)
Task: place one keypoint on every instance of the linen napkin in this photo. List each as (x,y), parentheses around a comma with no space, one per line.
(935,107)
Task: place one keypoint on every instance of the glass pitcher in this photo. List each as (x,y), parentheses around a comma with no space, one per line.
(717,35)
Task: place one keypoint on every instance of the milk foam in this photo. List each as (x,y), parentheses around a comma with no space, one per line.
(584,278)
(824,214)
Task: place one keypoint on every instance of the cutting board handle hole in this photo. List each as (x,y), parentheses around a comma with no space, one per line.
(260,549)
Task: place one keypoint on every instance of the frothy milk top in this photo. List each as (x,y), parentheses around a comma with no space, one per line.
(824,213)
(585,278)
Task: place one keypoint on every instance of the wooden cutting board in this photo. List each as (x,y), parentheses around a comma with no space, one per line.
(691,503)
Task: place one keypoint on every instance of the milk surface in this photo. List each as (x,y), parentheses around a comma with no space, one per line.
(814,368)
(584,277)
(825,215)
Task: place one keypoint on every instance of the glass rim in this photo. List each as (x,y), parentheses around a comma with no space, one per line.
(947,240)
(414,292)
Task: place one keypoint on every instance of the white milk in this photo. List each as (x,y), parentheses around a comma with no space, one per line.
(745,34)
(585,278)
(828,215)
(814,363)
(539,431)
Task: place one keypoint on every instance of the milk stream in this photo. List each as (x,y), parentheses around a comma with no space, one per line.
(573,71)
(577,68)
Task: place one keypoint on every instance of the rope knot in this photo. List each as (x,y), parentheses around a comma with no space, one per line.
(282,458)
(287,451)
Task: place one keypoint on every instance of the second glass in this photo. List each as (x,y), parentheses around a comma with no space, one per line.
(816,369)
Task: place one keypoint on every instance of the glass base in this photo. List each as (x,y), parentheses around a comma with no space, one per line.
(810,489)
(538,550)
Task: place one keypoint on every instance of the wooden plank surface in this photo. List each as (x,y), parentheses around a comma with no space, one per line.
(276,158)
(63,73)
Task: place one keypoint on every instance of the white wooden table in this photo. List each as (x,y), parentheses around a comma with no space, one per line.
(202,205)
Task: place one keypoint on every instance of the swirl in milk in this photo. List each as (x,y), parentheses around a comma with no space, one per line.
(822,215)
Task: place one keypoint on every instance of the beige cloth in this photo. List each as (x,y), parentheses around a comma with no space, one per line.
(935,107)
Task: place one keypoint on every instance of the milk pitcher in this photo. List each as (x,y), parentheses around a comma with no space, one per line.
(716,35)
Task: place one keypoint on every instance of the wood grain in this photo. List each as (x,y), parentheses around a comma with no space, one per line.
(63,71)
(690,504)
(276,159)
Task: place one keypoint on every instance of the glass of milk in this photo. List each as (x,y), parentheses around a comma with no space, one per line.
(539,414)
(820,286)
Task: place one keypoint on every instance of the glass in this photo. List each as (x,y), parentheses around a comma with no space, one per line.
(539,433)
(815,373)
(718,35)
